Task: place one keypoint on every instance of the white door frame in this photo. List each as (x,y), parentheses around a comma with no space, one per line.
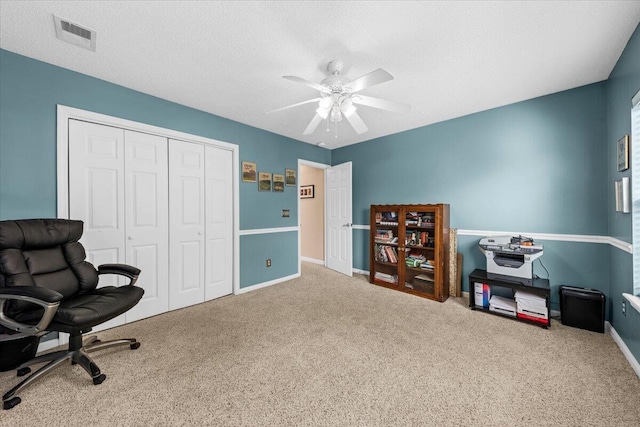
(324,195)
(66,113)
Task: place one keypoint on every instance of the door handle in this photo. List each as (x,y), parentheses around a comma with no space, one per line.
(347,224)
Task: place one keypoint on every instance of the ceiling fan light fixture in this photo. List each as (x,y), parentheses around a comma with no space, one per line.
(325,103)
(338,96)
(336,115)
(322,112)
(347,107)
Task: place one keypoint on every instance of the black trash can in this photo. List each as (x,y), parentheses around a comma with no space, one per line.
(582,308)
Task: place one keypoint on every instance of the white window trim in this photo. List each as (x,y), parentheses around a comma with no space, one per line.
(634,299)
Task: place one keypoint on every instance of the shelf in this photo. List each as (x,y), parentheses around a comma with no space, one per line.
(386,243)
(421,270)
(420,247)
(391,264)
(530,322)
(538,287)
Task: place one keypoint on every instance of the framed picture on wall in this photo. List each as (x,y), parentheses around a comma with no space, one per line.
(278,182)
(290,177)
(306,191)
(248,172)
(264,181)
(623,153)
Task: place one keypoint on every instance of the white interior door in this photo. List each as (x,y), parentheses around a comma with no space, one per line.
(219,222)
(187,223)
(147,220)
(96,196)
(339,219)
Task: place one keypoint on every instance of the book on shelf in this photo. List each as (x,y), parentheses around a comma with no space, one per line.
(383,236)
(389,253)
(424,278)
(389,278)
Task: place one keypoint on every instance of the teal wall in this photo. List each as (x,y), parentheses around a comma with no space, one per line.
(29,92)
(623,83)
(534,166)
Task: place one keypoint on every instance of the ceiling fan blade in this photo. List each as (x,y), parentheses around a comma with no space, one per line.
(382,104)
(356,122)
(294,105)
(305,82)
(313,124)
(373,78)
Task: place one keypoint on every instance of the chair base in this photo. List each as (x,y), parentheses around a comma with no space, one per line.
(77,353)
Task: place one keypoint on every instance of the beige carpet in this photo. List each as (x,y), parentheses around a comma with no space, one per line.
(325,349)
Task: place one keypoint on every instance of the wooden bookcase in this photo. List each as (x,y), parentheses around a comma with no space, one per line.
(409,249)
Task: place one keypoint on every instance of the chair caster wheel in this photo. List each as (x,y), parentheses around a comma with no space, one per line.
(99,379)
(8,404)
(23,371)
(134,346)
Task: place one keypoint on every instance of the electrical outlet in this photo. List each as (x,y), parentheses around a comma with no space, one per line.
(269,262)
(624,308)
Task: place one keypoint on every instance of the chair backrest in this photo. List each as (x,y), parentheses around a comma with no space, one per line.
(44,253)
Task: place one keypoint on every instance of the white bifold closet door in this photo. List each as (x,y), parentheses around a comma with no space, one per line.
(186,213)
(147,220)
(219,222)
(118,187)
(201,232)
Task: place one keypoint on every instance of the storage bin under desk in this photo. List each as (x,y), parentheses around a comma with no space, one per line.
(539,287)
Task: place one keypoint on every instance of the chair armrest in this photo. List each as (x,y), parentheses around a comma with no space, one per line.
(121,269)
(46,298)
(42,294)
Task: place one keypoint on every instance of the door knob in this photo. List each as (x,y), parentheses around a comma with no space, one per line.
(347,224)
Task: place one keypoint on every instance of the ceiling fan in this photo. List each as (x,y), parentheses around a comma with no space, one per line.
(339,97)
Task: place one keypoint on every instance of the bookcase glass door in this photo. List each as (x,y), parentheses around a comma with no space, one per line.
(386,253)
(420,257)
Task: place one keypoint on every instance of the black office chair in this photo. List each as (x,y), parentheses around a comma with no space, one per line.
(45,286)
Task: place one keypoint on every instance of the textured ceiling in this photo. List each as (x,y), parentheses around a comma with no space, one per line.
(448,58)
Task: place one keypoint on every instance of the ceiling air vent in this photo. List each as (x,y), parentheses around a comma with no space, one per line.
(74,33)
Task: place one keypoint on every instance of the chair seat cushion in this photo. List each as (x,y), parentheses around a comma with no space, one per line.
(90,309)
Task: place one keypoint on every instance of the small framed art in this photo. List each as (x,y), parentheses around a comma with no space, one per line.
(264,181)
(278,182)
(290,177)
(248,172)
(623,153)
(307,192)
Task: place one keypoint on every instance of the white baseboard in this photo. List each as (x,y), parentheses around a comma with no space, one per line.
(358,271)
(625,350)
(312,260)
(265,284)
(48,344)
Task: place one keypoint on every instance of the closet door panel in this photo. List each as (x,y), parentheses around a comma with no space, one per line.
(187,223)
(96,196)
(147,220)
(219,222)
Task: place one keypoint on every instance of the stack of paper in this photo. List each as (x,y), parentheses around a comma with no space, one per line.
(502,305)
(531,307)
